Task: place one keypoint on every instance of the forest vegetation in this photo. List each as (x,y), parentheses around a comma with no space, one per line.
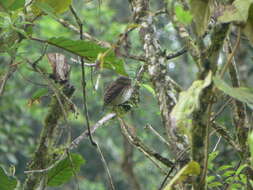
(126,95)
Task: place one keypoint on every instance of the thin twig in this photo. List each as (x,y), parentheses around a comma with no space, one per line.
(133,139)
(73,169)
(178,160)
(78,20)
(58,160)
(216,145)
(148,126)
(225,134)
(134,57)
(80,24)
(106,168)
(230,58)
(30,81)
(221,109)
(85,34)
(10,71)
(167,177)
(77,141)
(50,84)
(176,54)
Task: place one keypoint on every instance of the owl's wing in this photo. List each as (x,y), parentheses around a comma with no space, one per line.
(112,92)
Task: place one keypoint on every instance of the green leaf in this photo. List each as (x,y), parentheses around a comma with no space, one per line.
(12,4)
(215,184)
(237,12)
(225,167)
(213,155)
(39,93)
(190,169)
(239,170)
(183,16)
(45,8)
(57,6)
(7,182)
(90,51)
(251,182)
(243,178)
(209,179)
(242,94)
(65,170)
(229,173)
(201,14)
(236,186)
(149,88)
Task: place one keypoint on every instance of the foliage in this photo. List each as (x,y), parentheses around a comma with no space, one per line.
(231,175)
(190,169)
(91,52)
(64,170)
(242,94)
(7,182)
(251,146)
(172,50)
(187,103)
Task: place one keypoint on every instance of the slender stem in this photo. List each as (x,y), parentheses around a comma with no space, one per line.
(79,22)
(230,58)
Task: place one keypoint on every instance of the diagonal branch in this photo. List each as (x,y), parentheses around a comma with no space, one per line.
(134,140)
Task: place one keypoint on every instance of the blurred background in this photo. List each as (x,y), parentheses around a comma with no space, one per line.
(21,123)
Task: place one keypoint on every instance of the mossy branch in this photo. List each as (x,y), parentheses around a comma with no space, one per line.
(48,139)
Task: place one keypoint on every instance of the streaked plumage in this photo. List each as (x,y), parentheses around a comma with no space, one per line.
(118,91)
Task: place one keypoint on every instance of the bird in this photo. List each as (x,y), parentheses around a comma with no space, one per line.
(118,92)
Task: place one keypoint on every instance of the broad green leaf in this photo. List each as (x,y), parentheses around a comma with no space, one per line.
(236,186)
(229,173)
(39,93)
(237,12)
(251,182)
(188,103)
(213,155)
(90,51)
(239,170)
(44,7)
(191,169)
(65,170)
(12,4)
(149,88)
(242,94)
(251,146)
(215,184)
(58,6)
(7,182)
(209,179)
(243,178)
(183,16)
(225,167)
(201,14)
